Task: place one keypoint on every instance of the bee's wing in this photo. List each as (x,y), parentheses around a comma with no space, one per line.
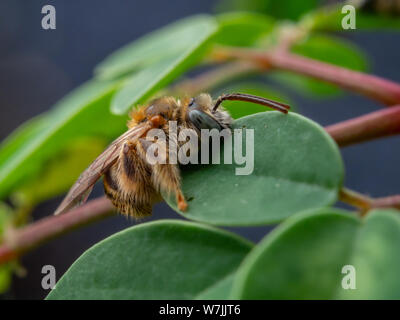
(80,191)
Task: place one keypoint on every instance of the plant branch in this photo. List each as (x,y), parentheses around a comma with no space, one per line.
(213,78)
(365,203)
(385,91)
(18,241)
(387,202)
(355,199)
(374,125)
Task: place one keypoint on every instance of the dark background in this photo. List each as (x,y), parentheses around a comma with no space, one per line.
(38,67)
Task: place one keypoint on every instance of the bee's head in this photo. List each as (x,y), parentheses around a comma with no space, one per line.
(207,114)
(202,114)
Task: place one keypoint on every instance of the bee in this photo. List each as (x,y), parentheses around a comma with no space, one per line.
(133,184)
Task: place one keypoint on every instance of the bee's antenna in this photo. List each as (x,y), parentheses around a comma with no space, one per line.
(254,99)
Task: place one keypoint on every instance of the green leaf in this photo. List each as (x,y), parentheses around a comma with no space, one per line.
(238,109)
(284,9)
(143,85)
(333,50)
(5,216)
(5,278)
(61,170)
(375,256)
(367,21)
(166,259)
(305,256)
(330,19)
(242,28)
(18,138)
(328,49)
(177,40)
(220,290)
(188,43)
(82,113)
(297,167)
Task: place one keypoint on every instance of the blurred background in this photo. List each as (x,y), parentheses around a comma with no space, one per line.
(38,67)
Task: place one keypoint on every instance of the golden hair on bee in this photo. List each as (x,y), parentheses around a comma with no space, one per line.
(131,181)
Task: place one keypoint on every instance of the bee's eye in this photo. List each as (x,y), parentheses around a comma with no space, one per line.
(192,103)
(202,120)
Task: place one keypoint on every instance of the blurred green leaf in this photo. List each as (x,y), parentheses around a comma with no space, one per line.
(328,49)
(332,49)
(238,109)
(220,290)
(284,9)
(177,40)
(242,28)
(5,278)
(82,113)
(330,19)
(142,85)
(19,137)
(304,257)
(367,21)
(297,167)
(188,44)
(166,259)
(5,216)
(375,257)
(61,170)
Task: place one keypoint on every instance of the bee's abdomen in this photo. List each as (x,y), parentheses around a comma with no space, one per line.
(127,185)
(135,203)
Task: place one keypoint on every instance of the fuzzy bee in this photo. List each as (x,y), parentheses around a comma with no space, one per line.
(133,184)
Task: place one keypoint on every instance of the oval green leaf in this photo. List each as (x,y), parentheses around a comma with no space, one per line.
(318,255)
(297,167)
(158,260)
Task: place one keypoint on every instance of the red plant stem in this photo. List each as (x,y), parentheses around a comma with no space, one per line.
(367,127)
(385,91)
(25,239)
(365,203)
(387,202)
(356,199)
(215,77)
(21,240)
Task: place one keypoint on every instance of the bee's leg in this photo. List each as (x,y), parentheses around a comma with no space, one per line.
(166,176)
